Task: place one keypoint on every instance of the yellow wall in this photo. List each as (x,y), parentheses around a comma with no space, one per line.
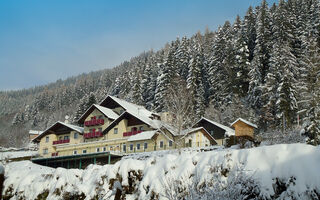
(198,139)
(47,145)
(96,113)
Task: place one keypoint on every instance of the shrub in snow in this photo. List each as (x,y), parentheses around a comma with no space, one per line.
(279,137)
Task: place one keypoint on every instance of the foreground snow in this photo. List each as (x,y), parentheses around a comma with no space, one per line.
(279,171)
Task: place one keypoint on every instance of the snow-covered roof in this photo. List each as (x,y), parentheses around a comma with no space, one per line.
(34,132)
(132,108)
(229,131)
(107,112)
(188,131)
(73,127)
(146,135)
(246,122)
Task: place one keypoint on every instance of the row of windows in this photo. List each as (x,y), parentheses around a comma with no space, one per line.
(145,145)
(66,137)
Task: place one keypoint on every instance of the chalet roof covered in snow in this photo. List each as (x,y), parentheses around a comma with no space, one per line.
(56,126)
(146,135)
(107,112)
(246,122)
(156,124)
(188,131)
(130,107)
(229,131)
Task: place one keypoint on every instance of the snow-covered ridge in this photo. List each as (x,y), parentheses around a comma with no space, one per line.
(295,166)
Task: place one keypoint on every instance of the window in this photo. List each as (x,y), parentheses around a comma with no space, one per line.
(47,139)
(100,129)
(161,144)
(66,137)
(134,129)
(45,151)
(145,145)
(124,147)
(138,146)
(121,111)
(131,147)
(141,128)
(211,132)
(75,136)
(84,151)
(100,117)
(75,152)
(98,149)
(104,148)
(115,130)
(60,138)
(170,143)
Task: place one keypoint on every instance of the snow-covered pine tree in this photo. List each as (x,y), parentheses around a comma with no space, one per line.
(249,27)
(195,81)
(167,72)
(182,57)
(261,60)
(242,64)
(219,70)
(312,94)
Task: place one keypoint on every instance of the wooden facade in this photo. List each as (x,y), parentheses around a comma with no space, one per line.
(243,128)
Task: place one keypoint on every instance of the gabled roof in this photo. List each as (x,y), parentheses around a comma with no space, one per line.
(188,131)
(145,135)
(130,107)
(246,122)
(229,131)
(152,123)
(58,123)
(105,111)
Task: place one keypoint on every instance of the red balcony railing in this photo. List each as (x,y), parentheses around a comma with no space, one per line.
(61,141)
(54,154)
(94,122)
(92,135)
(125,134)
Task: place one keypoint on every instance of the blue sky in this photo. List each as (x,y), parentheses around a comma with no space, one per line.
(45,40)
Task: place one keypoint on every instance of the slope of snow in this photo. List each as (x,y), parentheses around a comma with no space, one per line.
(295,163)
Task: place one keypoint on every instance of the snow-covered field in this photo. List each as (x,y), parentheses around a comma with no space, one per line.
(269,172)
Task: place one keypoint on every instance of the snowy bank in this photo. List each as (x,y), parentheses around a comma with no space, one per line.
(275,172)
(5,156)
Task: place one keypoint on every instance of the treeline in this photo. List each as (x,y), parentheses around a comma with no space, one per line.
(264,67)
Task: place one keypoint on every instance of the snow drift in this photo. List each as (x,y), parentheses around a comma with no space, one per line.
(275,172)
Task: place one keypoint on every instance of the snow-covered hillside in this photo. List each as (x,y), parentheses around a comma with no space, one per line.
(276,172)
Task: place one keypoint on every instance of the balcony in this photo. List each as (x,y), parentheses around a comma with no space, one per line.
(125,134)
(61,141)
(54,154)
(93,135)
(94,122)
